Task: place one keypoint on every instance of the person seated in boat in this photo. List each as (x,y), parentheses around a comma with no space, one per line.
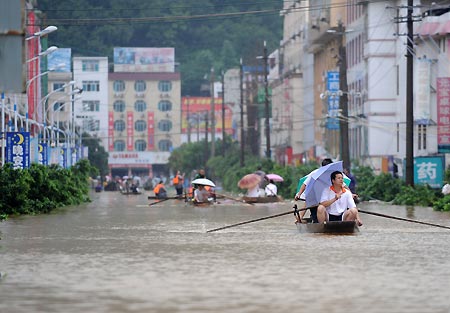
(253,192)
(134,188)
(300,195)
(211,192)
(271,189)
(201,194)
(160,191)
(336,202)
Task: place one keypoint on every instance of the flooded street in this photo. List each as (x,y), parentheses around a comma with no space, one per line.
(117,254)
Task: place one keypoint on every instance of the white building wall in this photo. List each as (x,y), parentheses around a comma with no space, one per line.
(81,113)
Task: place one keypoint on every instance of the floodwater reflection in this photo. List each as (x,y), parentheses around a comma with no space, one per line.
(117,254)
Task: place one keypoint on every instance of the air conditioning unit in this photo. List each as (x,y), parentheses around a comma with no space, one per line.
(118,95)
(168,115)
(142,115)
(140,95)
(122,115)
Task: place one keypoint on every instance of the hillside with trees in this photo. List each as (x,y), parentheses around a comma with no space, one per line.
(204,33)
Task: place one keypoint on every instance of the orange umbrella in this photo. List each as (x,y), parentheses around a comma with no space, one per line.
(249,181)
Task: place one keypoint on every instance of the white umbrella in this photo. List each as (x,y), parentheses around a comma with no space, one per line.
(320,180)
(203,181)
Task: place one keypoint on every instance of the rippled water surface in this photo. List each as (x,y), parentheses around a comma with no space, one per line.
(117,254)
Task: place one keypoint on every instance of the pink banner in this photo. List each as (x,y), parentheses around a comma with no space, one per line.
(151,130)
(111,131)
(443,110)
(130,133)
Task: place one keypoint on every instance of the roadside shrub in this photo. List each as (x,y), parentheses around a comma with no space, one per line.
(442,204)
(421,195)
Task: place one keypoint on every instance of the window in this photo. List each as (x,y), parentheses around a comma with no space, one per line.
(91,125)
(165,86)
(119,106)
(91,85)
(58,106)
(140,86)
(140,106)
(140,145)
(89,65)
(165,145)
(58,86)
(165,105)
(119,125)
(91,105)
(164,125)
(119,145)
(119,86)
(140,125)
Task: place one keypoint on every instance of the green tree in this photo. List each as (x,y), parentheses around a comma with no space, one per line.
(97,155)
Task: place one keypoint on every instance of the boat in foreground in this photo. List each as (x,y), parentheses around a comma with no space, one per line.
(344,227)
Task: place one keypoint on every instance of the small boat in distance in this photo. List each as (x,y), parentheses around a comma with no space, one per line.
(339,228)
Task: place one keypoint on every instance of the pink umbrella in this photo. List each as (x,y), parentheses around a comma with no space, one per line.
(274,177)
(249,181)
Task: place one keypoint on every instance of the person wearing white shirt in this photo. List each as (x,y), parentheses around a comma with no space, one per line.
(253,192)
(336,202)
(300,195)
(271,189)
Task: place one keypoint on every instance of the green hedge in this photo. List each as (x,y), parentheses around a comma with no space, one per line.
(40,189)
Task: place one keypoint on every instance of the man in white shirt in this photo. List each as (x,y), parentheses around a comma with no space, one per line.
(336,202)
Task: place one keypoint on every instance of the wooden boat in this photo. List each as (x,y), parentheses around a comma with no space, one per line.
(261,199)
(130,193)
(344,227)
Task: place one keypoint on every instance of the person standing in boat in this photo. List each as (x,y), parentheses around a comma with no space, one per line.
(336,202)
(178,183)
(271,189)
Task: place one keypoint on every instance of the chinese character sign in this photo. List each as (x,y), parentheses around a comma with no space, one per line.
(443,114)
(43,154)
(333,100)
(18,149)
(429,170)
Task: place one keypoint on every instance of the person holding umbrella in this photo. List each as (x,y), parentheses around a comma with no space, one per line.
(300,195)
(336,202)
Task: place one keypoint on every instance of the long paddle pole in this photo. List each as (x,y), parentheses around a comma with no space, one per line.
(234,199)
(262,218)
(403,219)
(162,200)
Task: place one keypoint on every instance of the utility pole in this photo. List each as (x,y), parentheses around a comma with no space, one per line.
(409,170)
(266,101)
(241,74)
(343,99)
(213,119)
(206,136)
(223,113)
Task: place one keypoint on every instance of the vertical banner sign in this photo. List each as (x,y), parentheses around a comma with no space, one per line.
(18,149)
(429,170)
(422,104)
(443,114)
(333,100)
(151,130)
(63,157)
(130,131)
(43,154)
(111,131)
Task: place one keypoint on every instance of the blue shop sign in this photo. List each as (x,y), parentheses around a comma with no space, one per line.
(429,170)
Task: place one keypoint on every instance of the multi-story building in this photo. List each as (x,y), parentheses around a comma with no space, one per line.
(91,113)
(144,119)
